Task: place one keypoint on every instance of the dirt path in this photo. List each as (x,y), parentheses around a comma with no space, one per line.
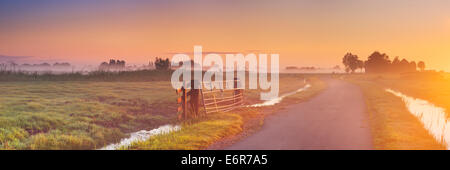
(334,119)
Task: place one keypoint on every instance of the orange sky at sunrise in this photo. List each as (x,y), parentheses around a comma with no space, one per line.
(304,33)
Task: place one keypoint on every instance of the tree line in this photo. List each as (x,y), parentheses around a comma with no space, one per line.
(159,64)
(12,66)
(113,64)
(380,63)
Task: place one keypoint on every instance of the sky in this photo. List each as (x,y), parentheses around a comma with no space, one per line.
(304,33)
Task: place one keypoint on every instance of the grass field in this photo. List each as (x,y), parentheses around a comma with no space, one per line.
(79,115)
(393,127)
(65,114)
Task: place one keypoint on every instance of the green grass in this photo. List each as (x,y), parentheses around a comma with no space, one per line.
(196,135)
(80,115)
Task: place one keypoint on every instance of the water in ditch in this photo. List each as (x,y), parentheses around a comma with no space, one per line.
(279,99)
(142,136)
(432,117)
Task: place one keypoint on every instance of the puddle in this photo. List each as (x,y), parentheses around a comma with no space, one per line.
(142,136)
(432,117)
(279,99)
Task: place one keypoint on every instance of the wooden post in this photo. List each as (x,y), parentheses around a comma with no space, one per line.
(184,103)
(180,103)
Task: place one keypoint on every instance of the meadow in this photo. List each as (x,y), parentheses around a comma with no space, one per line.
(79,115)
(393,126)
(90,111)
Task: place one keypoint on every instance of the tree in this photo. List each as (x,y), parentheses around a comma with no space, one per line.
(396,61)
(162,64)
(61,64)
(377,63)
(45,65)
(412,66)
(13,65)
(360,64)
(395,65)
(421,65)
(351,62)
(404,65)
(112,65)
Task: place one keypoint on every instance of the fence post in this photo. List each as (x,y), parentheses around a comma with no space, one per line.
(184,103)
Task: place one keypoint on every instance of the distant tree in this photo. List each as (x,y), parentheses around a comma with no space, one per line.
(421,65)
(61,64)
(404,65)
(395,65)
(113,64)
(360,64)
(45,65)
(377,63)
(396,61)
(291,68)
(3,67)
(104,64)
(412,66)
(162,64)
(13,65)
(351,62)
(120,63)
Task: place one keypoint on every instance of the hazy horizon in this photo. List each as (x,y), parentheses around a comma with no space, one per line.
(304,33)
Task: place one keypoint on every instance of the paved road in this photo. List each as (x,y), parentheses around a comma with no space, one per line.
(334,119)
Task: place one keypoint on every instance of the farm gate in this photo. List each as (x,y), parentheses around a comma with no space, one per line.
(209,99)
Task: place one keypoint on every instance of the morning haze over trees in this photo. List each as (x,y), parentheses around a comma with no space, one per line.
(112,65)
(120,65)
(162,64)
(380,63)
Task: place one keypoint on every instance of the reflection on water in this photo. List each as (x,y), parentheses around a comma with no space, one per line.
(142,136)
(278,99)
(433,118)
